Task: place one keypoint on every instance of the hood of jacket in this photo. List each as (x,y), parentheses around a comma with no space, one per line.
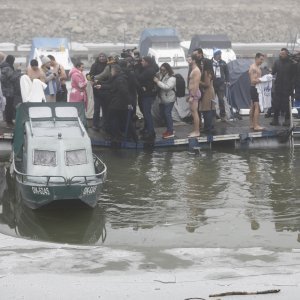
(74,71)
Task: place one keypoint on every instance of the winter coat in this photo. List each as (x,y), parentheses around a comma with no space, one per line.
(284,71)
(119,92)
(223,76)
(96,69)
(133,84)
(104,75)
(8,78)
(207,100)
(297,81)
(145,79)
(78,86)
(166,93)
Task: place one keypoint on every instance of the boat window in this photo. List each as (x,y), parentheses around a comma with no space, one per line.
(178,58)
(164,59)
(44,158)
(40,112)
(76,157)
(66,112)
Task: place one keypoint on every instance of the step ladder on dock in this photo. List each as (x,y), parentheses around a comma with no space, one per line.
(295,123)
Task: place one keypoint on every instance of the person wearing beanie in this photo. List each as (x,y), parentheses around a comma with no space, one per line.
(8,79)
(10,59)
(49,78)
(221,78)
(216,52)
(45,60)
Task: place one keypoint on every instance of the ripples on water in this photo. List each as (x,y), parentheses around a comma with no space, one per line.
(216,199)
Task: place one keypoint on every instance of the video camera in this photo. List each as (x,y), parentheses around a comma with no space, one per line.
(129,53)
(294,57)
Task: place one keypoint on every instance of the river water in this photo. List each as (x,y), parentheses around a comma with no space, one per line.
(224,198)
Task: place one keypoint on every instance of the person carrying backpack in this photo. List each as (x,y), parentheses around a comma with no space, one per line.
(166,82)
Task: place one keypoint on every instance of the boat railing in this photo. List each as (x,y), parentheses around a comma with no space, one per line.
(97,178)
(100,168)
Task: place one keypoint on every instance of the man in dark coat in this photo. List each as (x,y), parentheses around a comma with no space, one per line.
(283,68)
(8,79)
(148,93)
(120,102)
(297,82)
(101,96)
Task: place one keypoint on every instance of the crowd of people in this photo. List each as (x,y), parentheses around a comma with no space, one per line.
(140,81)
(119,85)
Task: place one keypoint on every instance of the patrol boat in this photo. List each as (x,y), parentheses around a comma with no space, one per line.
(52,155)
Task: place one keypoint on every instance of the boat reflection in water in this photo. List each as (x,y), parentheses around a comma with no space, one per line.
(58,222)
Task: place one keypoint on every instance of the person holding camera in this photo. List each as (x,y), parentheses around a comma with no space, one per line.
(49,78)
(166,83)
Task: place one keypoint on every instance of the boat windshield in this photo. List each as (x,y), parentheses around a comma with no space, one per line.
(76,157)
(44,158)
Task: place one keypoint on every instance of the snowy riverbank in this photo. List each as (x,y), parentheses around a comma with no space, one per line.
(36,270)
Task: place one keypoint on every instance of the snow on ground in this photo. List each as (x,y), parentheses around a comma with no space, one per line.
(38,270)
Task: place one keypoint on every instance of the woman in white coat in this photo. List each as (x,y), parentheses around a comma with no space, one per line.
(166,83)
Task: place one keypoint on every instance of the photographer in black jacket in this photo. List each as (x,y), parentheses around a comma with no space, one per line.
(120,102)
(148,93)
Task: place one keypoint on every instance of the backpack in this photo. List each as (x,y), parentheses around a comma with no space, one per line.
(180,86)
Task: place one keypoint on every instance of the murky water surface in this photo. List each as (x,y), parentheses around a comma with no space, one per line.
(176,199)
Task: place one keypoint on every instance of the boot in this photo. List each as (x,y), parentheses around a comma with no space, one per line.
(286,122)
(274,122)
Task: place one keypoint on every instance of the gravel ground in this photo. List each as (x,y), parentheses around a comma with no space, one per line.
(106,21)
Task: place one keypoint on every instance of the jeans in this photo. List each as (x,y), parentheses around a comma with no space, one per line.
(148,120)
(165,110)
